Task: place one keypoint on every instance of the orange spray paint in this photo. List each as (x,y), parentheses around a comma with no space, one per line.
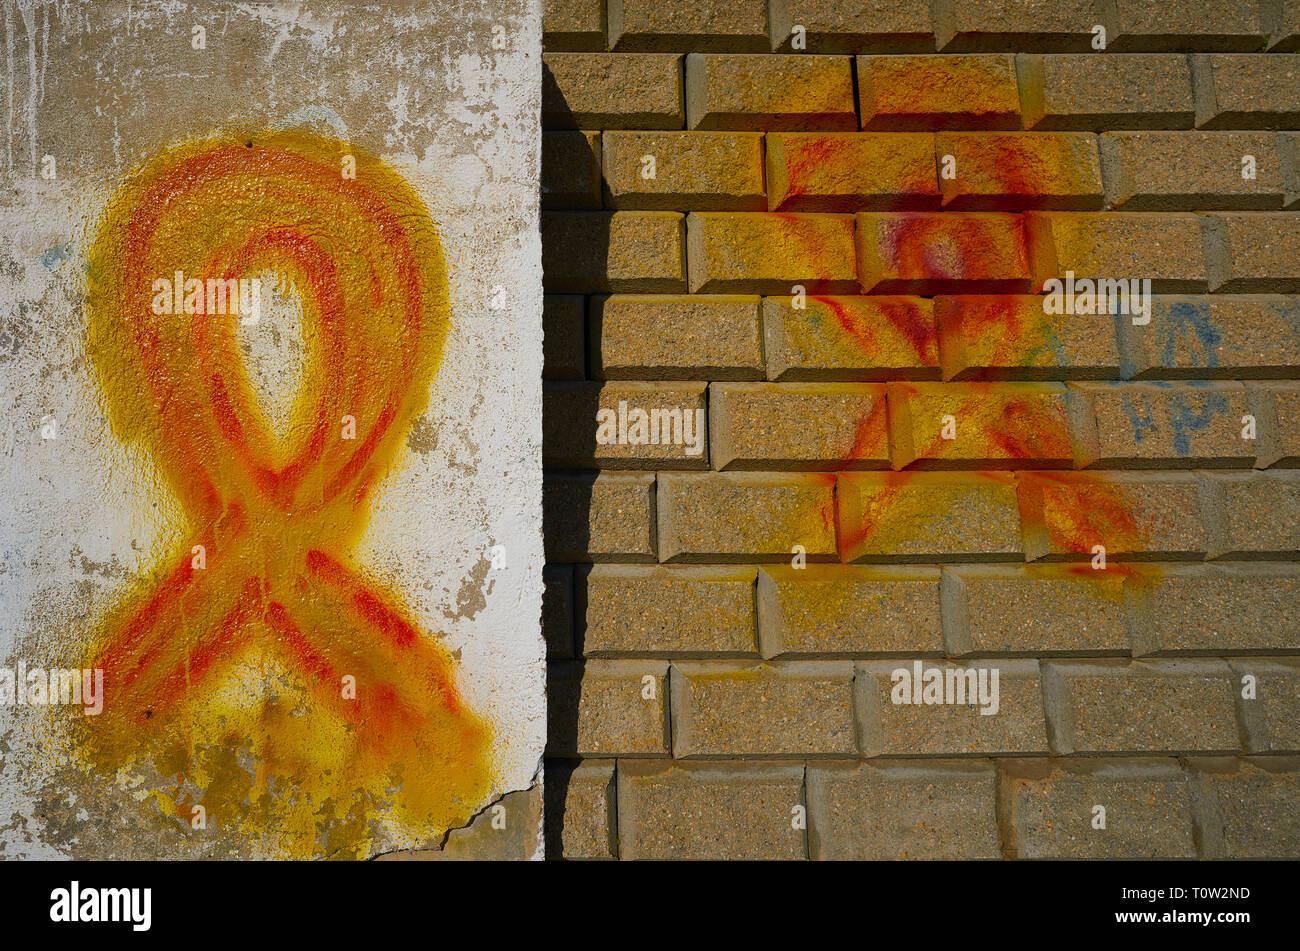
(252,650)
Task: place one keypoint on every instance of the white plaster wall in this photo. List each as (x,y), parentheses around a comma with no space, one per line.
(101,87)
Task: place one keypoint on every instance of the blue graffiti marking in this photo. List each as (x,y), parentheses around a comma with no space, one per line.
(1142,424)
(1184,421)
(1192,319)
(53,257)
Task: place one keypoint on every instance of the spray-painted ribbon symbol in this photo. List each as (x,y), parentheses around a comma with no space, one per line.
(275,518)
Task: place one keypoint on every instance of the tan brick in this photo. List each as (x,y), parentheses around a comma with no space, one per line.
(937,728)
(1281,21)
(1031,25)
(709,811)
(928,809)
(1191,171)
(851,171)
(993,426)
(580,810)
(605,517)
(625,425)
(1220,337)
(1253,514)
(1133,515)
(1012,609)
(1011,171)
(920,93)
(850,338)
(688,25)
(1246,91)
(693,171)
(571,169)
(1160,26)
(600,708)
(1271,719)
(949,253)
(848,610)
(573,25)
(557,611)
(590,91)
(677,611)
(1276,408)
(1111,706)
(798,426)
(1165,425)
(698,516)
(1050,808)
(927,516)
(766,93)
(733,708)
(770,253)
(563,354)
(1098,93)
(671,337)
(1288,145)
(600,252)
(1216,608)
(1252,810)
(1012,337)
(832,26)
(1254,252)
(1167,248)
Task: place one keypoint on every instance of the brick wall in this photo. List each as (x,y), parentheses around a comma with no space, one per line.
(828,242)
